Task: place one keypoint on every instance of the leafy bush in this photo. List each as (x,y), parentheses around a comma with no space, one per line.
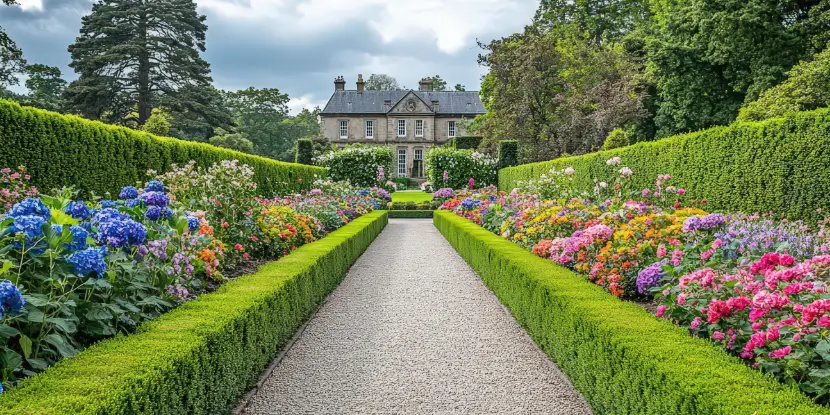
(99,158)
(448,167)
(358,164)
(617,138)
(14,187)
(305,151)
(779,165)
(621,358)
(411,214)
(508,153)
(234,141)
(467,143)
(200,357)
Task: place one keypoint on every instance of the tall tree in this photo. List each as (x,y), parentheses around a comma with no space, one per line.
(138,53)
(438,84)
(459,87)
(259,113)
(46,87)
(381,82)
(600,19)
(11,61)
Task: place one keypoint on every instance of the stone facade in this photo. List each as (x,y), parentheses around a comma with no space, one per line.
(409,121)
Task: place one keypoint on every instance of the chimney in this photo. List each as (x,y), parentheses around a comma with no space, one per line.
(435,106)
(360,83)
(339,83)
(425,85)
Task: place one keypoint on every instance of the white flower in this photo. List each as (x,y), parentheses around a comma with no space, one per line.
(613,161)
(569,171)
(625,171)
(603,185)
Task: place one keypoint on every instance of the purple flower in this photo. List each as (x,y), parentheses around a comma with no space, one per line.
(692,224)
(650,276)
(443,192)
(153,213)
(711,221)
(155,199)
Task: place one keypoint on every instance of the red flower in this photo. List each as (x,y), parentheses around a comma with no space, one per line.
(246,256)
(239,247)
(225,225)
(254,238)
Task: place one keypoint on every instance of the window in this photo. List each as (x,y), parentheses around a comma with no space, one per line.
(402,162)
(370,129)
(344,129)
(401,128)
(419,128)
(418,163)
(451,129)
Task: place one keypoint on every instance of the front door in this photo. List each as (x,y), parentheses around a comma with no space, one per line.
(418,164)
(402,162)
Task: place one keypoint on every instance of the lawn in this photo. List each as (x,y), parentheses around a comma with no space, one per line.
(416,196)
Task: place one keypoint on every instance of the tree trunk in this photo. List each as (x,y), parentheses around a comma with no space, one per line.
(144,95)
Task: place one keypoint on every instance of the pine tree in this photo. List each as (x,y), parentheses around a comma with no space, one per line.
(138,54)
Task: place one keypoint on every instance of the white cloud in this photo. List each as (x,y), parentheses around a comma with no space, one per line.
(452,25)
(295,105)
(31,4)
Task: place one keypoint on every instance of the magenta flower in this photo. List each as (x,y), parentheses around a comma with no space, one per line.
(781,353)
(471,183)
(446,176)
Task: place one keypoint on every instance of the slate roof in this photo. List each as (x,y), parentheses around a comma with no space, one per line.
(372,102)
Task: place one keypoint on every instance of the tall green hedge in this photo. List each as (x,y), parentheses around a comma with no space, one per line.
(620,357)
(467,142)
(780,165)
(305,151)
(60,150)
(200,357)
(508,153)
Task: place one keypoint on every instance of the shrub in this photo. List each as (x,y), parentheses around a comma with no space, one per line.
(233,141)
(95,157)
(14,187)
(508,153)
(200,357)
(467,143)
(622,359)
(617,138)
(305,151)
(357,163)
(410,214)
(460,166)
(780,165)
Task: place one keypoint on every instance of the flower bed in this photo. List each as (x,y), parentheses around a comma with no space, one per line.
(622,360)
(754,285)
(201,356)
(74,272)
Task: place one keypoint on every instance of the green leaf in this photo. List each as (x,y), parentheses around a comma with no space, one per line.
(5,266)
(35,315)
(66,326)
(823,349)
(37,300)
(62,218)
(9,359)
(64,348)
(26,346)
(7,332)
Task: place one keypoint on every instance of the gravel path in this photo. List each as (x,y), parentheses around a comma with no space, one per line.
(412,329)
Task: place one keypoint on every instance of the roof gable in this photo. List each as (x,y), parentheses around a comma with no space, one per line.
(374,102)
(411,103)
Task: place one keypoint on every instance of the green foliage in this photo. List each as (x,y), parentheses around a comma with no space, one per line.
(45,86)
(410,214)
(305,151)
(618,138)
(807,87)
(438,83)
(358,164)
(508,153)
(138,54)
(234,142)
(459,87)
(158,123)
(202,356)
(780,165)
(620,357)
(461,166)
(11,61)
(467,143)
(411,196)
(381,82)
(60,149)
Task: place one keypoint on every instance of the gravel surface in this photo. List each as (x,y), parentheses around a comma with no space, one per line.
(412,329)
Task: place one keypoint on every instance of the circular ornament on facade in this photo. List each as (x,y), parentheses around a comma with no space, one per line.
(410,105)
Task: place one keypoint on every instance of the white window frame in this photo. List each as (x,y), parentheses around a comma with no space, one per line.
(344,129)
(452,130)
(401,162)
(401,128)
(419,128)
(370,128)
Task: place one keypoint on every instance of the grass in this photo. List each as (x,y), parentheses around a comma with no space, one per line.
(415,196)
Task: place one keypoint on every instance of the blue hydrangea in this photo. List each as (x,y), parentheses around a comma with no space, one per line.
(11,299)
(128,192)
(650,276)
(153,213)
(89,261)
(119,231)
(58,229)
(108,204)
(131,203)
(167,212)
(31,225)
(154,186)
(192,223)
(30,207)
(108,214)
(79,238)
(155,199)
(78,210)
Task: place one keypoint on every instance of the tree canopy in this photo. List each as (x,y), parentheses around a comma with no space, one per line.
(381,82)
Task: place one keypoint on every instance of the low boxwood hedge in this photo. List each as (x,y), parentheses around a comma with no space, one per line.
(200,357)
(59,149)
(780,165)
(411,214)
(620,357)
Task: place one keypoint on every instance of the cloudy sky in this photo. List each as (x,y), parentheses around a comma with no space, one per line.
(299,46)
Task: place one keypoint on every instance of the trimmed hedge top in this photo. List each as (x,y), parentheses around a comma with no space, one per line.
(58,150)
(620,357)
(198,358)
(780,165)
